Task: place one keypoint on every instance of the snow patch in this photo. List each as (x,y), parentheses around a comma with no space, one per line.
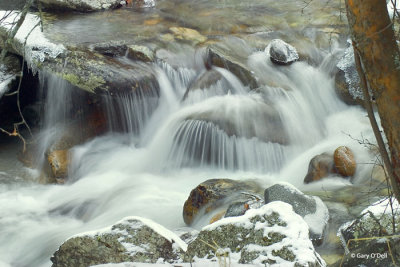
(319,219)
(296,232)
(383,207)
(37,47)
(132,223)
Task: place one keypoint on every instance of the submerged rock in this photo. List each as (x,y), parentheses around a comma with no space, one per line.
(215,193)
(320,166)
(344,160)
(188,34)
(141,53)
(205,81)
(281,53)
(224,56)
(310,208)
(59,162)
(132,239)
(273,235)
(80,5)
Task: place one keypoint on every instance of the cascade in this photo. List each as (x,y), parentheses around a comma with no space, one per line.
(161,144)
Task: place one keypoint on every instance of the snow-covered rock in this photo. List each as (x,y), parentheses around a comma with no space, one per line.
(372,234)
(310,208)
(273,234)
(281,53)
(347,79)
(81,5)
(133,239)
(29,41)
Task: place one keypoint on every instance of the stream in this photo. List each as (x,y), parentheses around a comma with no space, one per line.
(174,141)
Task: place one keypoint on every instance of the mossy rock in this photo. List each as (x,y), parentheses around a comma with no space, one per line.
(132,239)
(261,236)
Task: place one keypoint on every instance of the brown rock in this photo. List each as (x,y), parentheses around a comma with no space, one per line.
(344,161)
(217,216)
(58,161)
(320,166)
(215,193)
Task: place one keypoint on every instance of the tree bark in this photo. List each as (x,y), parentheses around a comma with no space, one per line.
(374,40)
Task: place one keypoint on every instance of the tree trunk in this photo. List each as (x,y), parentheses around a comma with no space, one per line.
(374,40)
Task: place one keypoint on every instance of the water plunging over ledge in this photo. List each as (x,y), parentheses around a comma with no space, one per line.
(161,143)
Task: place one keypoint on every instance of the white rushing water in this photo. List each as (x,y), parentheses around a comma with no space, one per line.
(227,131)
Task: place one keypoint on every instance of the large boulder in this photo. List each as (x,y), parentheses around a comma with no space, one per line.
(370,240)
(281,53)
(214,194)
(80,5)
(272,235)
(320,166)
(310,208)
(345,163)
(132,239)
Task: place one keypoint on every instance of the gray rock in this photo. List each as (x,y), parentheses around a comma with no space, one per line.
(237,209)
(258,237)
(132,239)
(111,49)
(282,53)
(312,209)
(347,81)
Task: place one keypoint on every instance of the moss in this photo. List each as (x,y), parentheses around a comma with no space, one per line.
(89,84)
(284,253)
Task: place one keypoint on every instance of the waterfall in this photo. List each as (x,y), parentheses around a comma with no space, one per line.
(163,142)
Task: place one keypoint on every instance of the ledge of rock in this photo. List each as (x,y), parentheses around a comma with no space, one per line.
(80,66)
(81,5)
(272,235)
(100,74)
(132,239)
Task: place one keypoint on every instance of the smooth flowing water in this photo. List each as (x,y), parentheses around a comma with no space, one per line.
(174,139)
